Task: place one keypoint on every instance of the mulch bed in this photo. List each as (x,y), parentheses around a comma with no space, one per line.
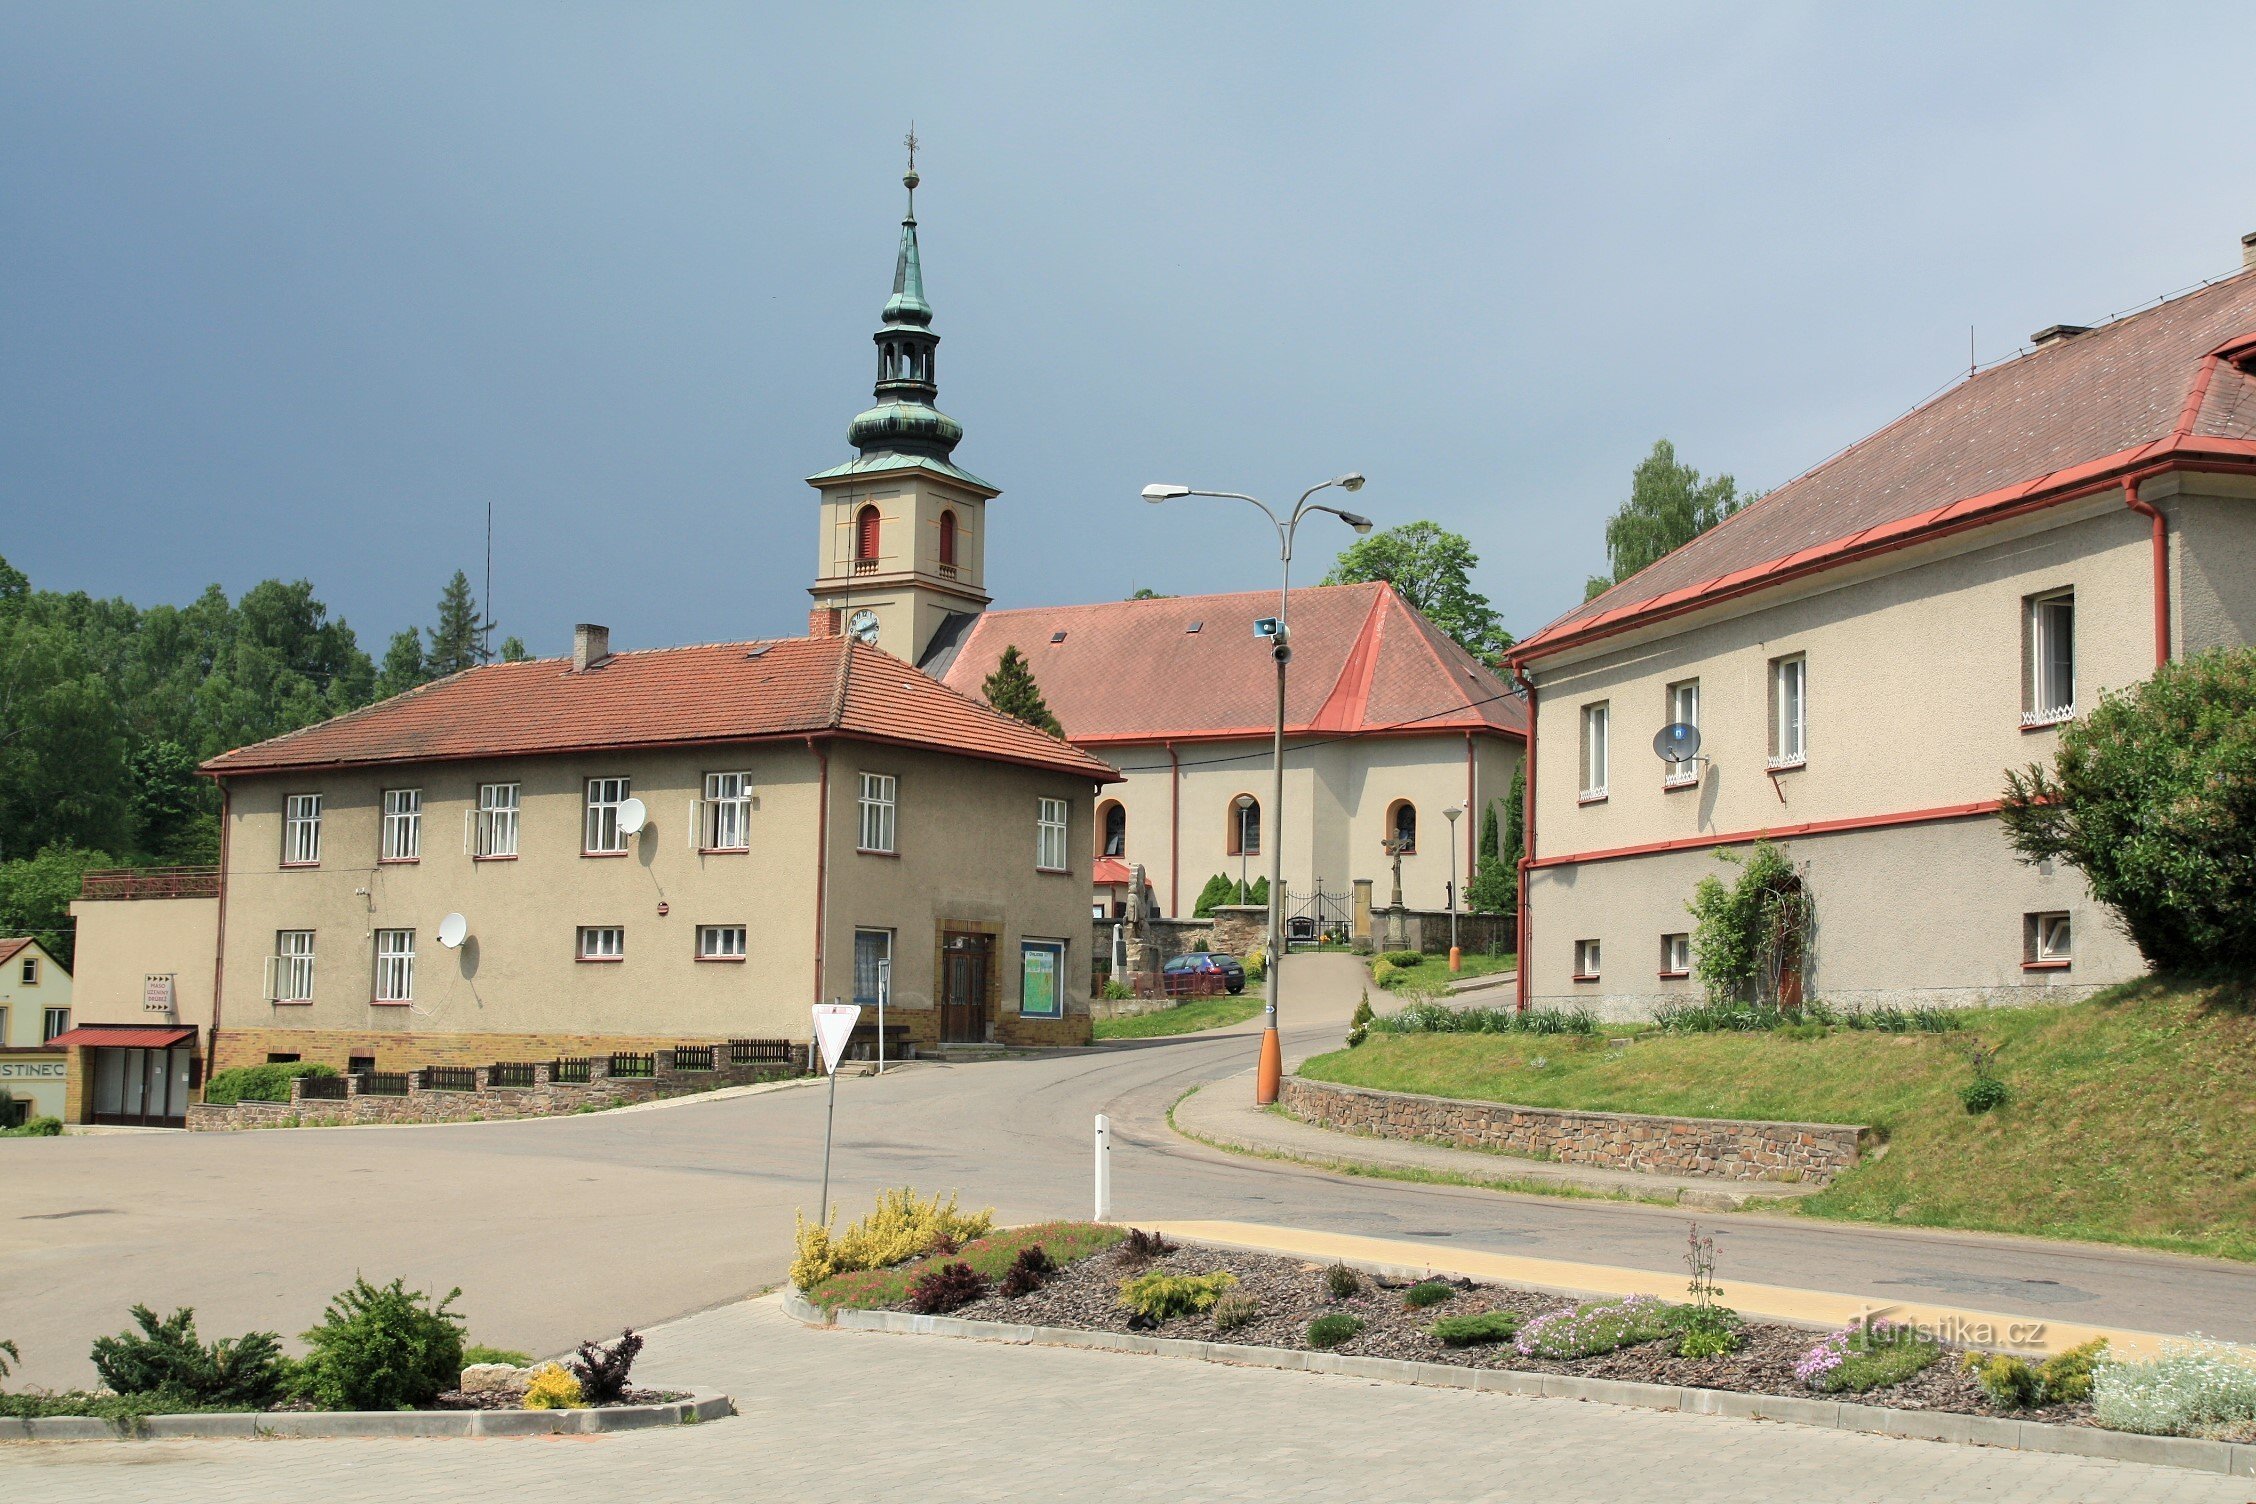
(1084,1296)
(514,1399)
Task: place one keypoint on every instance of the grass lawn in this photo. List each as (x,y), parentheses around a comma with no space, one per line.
(1433,974)
(1184,1018)
(992,1256)
(2132,1119)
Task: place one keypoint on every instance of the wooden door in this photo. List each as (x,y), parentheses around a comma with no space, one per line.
(963,996)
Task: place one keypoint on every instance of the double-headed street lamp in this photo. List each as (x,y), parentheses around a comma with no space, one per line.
(1272,1052)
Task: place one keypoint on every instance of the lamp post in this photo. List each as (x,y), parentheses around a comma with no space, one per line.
(1456,956)
(1242,803)
(1272,1066)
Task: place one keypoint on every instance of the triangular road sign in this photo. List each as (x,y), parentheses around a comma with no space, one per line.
(834,1024)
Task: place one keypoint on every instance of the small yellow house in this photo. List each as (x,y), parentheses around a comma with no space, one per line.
(35,1007)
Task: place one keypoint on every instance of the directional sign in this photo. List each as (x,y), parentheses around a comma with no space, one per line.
(834,1025)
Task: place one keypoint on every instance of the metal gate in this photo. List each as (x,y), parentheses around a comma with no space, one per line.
(1315,916)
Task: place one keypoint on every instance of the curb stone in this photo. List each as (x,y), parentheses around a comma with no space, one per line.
(2233,1459)
(702,1405)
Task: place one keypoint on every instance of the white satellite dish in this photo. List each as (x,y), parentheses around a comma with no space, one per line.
(1677,742)
(453,930)
(633,815)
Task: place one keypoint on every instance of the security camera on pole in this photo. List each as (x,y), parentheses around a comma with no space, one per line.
(1272,1067)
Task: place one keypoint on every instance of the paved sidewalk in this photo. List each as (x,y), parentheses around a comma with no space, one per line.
(830,1415)
(1223,1114)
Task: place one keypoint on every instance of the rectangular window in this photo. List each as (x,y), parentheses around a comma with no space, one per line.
(602,942)
(1789,712)
(395,966)
(1041,978)
(605,836)
(1049,834)
(1683,710)
(2047,941)
(873,966)
(493,828)
(293,967)
(3,1026)
(1586,961)
(403,825)
(2049,649)
(1676,955)
(728,812)
(357,1065)
(720,942)
(301,830)
(54,1021)
(877,812)
(30,972)
(1594,719)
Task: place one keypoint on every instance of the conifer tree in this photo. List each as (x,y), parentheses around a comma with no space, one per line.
(456,642)
(1012,690)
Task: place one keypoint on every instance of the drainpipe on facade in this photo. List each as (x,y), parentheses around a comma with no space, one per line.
(1472,817)
(1527,839)
(219,944)
(1174,833)
(2161,569)
(822,854)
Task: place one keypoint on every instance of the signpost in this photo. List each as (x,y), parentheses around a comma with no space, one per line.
(834,1025)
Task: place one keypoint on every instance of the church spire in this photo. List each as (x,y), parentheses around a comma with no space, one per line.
(905,421)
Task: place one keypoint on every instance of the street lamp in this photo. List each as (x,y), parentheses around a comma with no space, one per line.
(1242,803)
(1456,957)
(1272,1066)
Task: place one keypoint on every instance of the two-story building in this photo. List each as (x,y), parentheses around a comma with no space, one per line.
(623,850)
(35,1009)
(1867,649)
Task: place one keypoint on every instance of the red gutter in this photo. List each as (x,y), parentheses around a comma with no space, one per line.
(1174,833)
(1527,839)
(1773,833)
(2161,554)
(822,853)
(219,945)
(1472,815)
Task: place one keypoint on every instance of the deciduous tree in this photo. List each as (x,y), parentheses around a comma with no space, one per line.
(1669,505)
(1433,569)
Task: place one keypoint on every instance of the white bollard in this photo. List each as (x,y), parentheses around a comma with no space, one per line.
(1104,1168)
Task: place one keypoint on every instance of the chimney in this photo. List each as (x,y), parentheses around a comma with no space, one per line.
(591,645)
(2248,251)
(2053,334)
(822,621)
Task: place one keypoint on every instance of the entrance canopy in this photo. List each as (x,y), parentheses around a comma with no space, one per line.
(121,1037)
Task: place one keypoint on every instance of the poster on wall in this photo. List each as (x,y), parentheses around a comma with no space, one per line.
(1041,975)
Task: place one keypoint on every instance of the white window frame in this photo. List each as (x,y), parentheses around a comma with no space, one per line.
(721,942)
(880,813)
(2050,939)
(49,1017)
(1676,954)
(1789,712)
(601,824)
(600,942)
(301,830)
(403,825)
(395,966)
(1053,820)
(27,975)
(1597,721)
(2049,643)
(1586,960)
(290,971)
(493,824)
(1683,709)
(724,815)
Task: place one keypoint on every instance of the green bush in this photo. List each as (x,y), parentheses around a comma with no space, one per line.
(2062,1379)
(164,1359)
(1402,957)
(1428,1017)
(1235,1309)
(477,1353)
(1333,1329)
(2152,797)
(1158,1296)
(1115,990)
(1359,1026)
(1429,1292)
(1343,1282)
(386,1348)
(36,1128)
(1737,929)
(260,1083)
(1983,1093)
(1474,1331)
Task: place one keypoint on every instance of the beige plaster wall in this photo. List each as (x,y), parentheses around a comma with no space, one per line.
(909,508)
(124,941)
(27,1005)
(2212,561)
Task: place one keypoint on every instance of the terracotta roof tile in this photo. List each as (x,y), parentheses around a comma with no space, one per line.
(2089,401)
(1134,671)
(9,948)
(711,693)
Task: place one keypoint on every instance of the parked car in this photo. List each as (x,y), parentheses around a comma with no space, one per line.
(1190,974)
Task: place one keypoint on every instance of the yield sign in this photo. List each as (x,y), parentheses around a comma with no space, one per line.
(834,1023)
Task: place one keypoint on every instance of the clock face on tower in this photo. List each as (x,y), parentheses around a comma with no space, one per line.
(862,626)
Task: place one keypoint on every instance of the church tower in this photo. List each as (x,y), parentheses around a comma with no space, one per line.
(904,531)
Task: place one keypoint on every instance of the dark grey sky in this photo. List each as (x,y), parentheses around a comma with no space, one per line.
(297,289)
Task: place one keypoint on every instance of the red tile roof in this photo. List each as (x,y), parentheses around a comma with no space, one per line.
(9,948)
(694,696)
(2156,388)
(1133,671)
(1109,872)
(121,1037)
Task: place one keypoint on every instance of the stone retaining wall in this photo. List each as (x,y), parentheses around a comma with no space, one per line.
(544,1098)
(1716,1148)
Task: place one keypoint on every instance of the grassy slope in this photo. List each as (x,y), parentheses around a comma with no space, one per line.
(1183,1018)
(1434,971)
(2133,1117)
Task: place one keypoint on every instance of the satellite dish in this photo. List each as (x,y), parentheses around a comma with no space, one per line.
(453,930)
(633,815)
(1677,742)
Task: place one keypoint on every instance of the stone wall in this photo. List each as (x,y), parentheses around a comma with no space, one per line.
(1717,1148)
(1427,930)
(544,1098)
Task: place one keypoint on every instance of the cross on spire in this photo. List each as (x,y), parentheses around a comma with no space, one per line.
(910,141)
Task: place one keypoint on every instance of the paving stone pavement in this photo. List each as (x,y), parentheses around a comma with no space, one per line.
(829,1415)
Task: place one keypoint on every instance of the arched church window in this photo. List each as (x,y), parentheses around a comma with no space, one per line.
(1402,825)
(1245,826)
(1113,821)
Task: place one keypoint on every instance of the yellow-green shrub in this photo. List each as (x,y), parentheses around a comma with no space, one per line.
(553,1388)
(903,1226)
(1157,1296)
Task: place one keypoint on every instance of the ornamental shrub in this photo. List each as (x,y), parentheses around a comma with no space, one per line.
(1028,1272)
(2152,797)
(903,1226)
(602,1368)
(1475,1331)
(554,1389)
(1333,1329)
(36,1128)
(1234,1310)
(1343,1282)
(2193,1388)
(1427,1292)
(2062,1379)
(165,1359)
(1860,1358)
(260,1083)
(1427,1016)
(382,1348)
(1402,957)
(1739,929)
(1141,1247)
(944,1289)
(1158,1296)
(1359,1026)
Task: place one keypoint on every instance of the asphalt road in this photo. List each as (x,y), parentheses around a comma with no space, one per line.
(564,1228)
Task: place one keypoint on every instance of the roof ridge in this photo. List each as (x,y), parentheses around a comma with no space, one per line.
(1347,707)
(1155,600)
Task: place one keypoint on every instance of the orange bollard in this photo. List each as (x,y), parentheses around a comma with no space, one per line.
(1456,959)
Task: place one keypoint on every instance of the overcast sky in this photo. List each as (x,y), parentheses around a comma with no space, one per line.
(297,289)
